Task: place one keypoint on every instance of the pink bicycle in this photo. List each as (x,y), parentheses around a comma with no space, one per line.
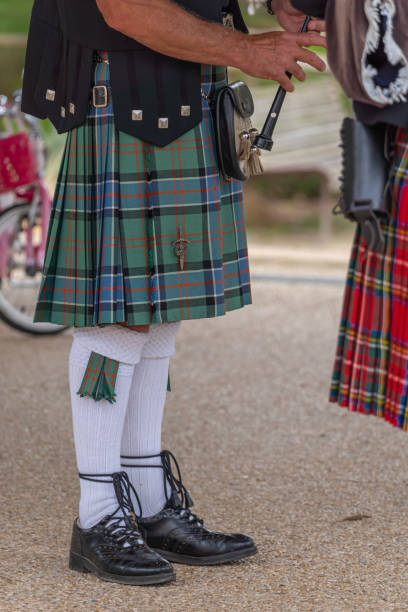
(24,216)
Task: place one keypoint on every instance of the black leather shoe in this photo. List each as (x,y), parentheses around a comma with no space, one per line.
(180,536)
(114,549)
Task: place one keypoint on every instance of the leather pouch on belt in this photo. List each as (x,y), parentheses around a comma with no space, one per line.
(238,157)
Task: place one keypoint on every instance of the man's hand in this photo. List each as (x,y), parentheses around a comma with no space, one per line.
(274,54)
(292,20)
(166,27)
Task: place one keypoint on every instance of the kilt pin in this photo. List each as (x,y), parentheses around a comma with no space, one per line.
(371,366)
(143,234)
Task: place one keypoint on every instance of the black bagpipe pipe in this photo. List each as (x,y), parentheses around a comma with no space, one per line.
(264,139)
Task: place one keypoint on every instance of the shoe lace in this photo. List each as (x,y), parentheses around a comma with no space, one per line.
(179,499)
(122,535)
(121,525)
(188,516)
(179,496)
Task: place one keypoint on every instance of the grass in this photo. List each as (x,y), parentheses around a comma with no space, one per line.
(14,19)
(11,66)
(15,16)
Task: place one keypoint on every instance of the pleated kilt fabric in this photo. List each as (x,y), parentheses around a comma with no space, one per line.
(371,367)
(120,205)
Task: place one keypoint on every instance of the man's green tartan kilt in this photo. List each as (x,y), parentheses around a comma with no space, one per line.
(120,204)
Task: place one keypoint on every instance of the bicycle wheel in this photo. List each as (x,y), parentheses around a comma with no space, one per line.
(19,283)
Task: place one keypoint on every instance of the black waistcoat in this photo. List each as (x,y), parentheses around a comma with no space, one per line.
(59,69)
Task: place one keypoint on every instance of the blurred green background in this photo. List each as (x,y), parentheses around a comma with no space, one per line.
(14,20)
(14,16)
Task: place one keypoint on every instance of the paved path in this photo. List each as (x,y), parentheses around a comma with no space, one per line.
(261,450)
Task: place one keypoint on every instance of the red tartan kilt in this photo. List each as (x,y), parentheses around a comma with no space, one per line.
(371,367)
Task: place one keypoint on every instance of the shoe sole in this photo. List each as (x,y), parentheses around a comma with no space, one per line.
(210,560)
(77,563)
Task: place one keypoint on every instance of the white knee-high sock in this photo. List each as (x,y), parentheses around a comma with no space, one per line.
(143,423)
(98,426)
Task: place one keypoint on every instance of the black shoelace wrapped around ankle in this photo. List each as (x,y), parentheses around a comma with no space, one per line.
(179,499)
(121,525)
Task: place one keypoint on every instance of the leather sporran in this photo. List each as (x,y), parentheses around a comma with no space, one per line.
(238,157)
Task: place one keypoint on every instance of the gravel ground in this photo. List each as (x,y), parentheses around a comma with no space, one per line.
(320,489)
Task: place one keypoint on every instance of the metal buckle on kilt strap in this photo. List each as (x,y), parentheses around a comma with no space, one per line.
(100,96)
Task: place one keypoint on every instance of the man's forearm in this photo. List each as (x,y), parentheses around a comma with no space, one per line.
(154,23)
(166,27)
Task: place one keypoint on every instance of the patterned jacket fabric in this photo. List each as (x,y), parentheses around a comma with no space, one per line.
(143,234)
